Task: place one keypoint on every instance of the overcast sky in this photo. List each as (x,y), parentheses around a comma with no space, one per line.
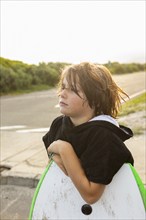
(73,31)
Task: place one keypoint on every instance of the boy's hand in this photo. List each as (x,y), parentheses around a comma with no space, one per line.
(57,159)
(58,146)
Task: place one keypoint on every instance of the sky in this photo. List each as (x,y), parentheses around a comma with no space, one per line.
(73,31)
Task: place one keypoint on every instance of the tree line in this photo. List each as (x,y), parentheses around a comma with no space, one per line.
(16,75)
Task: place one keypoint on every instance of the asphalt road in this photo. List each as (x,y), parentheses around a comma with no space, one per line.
(37,110)
(32,110)
(15,202)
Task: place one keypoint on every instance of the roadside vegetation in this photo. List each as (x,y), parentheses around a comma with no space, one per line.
(18,77)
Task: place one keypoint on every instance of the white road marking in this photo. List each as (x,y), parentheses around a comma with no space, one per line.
(134,95)
(56,106)
(137,94)
(15,127)
(35,130)
(12,127)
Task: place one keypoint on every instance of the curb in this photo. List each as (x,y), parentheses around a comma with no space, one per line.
(19,179)
(134,95)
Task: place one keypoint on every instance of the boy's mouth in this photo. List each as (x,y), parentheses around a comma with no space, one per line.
(62,103)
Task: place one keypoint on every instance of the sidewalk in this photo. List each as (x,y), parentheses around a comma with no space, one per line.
(26,157)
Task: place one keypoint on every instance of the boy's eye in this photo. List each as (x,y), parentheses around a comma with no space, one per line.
(62,87)
(72,89)
(69,88)
(75,90)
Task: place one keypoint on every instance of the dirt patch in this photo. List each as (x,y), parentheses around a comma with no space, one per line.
(135,121)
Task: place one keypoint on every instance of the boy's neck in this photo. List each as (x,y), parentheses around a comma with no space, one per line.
(81,120)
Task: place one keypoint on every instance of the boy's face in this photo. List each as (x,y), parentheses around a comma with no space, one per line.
(73,105)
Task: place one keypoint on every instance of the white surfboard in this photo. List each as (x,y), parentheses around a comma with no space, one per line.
(57,198)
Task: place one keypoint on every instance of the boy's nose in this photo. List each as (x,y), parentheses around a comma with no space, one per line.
(63,93)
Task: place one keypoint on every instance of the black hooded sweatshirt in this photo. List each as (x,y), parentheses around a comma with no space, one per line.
(98,144)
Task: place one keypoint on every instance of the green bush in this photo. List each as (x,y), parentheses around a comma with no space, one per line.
(117,68)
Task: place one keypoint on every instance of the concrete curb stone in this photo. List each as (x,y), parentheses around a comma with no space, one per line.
(19,179)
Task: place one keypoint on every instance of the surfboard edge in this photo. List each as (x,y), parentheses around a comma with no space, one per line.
(140,184)
(37,189)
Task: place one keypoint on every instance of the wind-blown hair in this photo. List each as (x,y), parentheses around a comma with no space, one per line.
(96,82)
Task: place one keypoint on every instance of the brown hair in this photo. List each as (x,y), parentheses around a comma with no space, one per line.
(98,86)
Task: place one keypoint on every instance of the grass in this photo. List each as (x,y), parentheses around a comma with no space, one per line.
(33,88)
(134,105)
